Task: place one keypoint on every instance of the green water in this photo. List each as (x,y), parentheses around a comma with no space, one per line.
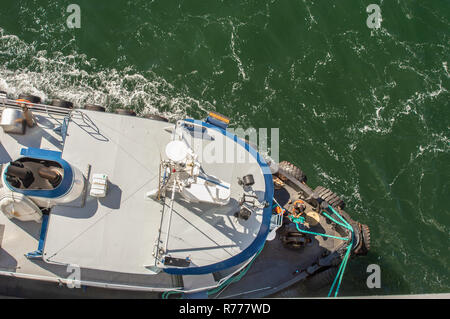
(363,112)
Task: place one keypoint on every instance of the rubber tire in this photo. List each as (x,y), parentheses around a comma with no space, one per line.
(125,112)
(156,117)
(321,279)
(62,103)
(358,248)
(327,195)
(32,98)
(366,237)
(293,170)
(93,107)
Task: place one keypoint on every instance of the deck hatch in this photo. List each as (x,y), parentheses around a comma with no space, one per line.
(176,262)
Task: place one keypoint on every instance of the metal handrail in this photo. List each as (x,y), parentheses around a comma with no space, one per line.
(34,106)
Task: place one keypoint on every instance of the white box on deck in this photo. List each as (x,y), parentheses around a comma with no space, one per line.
(99,185)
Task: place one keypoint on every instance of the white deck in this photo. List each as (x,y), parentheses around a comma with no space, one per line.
(112,239)
(117,232)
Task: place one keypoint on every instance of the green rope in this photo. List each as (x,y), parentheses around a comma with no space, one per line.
(228,282)
(340,273)
(328,216)
(166,294)
(301,220)
(297,221)
(341,218)
(324,235)
(344,224)
(236,278)
(341,270)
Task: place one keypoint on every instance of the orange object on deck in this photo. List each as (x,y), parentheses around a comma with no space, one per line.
(279,210)
(24,101)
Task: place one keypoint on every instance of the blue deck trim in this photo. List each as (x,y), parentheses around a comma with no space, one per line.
(62,189)
(40,153)
(38,252)
(215,122)
(260,239)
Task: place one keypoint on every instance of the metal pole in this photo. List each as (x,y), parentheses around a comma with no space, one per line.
(170,214)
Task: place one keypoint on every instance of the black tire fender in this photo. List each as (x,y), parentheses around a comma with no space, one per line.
(93,107)
(330,197)
(156,117)
(62,103)
(32,98)
(292,170)
(125,112)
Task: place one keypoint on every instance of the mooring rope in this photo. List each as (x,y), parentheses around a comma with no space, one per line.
(344,261)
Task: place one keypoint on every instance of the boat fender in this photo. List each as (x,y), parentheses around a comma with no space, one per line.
(29,98)
(62,103)
(156,117)
(93,107)
(218,120)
